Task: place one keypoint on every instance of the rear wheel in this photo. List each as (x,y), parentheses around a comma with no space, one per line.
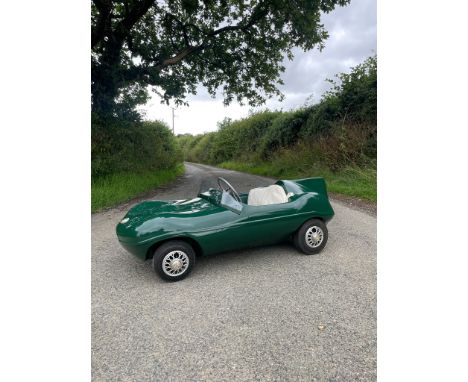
(312,237)
(174,260)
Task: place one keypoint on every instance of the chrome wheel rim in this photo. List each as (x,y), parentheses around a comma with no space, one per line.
(314,236)
(175,263)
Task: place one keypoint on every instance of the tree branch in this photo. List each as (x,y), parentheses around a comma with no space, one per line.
(135,14)
(181,55)
(257,14)
(101,4)
(98,32)
(149,74)
(182,26)
(123,28)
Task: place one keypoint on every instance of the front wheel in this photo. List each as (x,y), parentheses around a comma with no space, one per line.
(312,237)
(174,260)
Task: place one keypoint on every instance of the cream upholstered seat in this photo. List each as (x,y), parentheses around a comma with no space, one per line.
(262,196)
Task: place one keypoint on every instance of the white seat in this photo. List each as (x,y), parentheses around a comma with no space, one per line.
(262,196)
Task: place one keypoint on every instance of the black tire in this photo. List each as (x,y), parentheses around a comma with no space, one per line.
(177,249)
(301,242)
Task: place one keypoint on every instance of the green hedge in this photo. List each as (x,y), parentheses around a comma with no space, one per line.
(119,146)
(339,131)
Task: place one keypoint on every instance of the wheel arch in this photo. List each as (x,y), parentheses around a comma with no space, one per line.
(195,245)
(312,217)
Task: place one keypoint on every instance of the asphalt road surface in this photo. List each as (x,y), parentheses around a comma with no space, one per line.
(266,314)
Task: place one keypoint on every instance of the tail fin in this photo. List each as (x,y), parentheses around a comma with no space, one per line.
(299,186)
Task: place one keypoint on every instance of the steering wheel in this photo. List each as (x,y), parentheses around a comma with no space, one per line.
(229,189)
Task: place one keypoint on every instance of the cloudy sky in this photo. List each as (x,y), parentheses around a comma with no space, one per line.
(353,37)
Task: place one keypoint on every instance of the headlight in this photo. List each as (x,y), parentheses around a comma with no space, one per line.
(124,220)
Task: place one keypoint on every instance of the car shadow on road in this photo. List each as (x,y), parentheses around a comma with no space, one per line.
(260,260)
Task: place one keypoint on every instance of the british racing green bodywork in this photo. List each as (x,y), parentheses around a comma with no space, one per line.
(211,228)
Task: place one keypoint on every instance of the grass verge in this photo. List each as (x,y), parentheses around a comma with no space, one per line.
(119,188)
(351,181)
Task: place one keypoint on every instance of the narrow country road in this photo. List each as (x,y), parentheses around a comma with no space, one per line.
(266,314)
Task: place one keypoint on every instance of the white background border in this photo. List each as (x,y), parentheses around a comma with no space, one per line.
(422,188)
(422,191)
(45,191)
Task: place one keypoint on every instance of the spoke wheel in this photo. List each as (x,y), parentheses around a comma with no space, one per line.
(312,237)
(175,263)
(174,260)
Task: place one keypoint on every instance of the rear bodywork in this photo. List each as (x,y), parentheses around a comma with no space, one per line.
(210,228)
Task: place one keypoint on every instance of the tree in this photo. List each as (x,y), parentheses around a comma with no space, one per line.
(174,45)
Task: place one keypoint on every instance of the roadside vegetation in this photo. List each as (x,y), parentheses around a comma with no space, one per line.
(130,157)
(335,138)
(118,188)
(171,48)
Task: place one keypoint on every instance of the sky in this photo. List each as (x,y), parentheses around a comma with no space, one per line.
(352,38)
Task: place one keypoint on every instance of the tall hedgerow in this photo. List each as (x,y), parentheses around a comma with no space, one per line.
(118,145)
(340,130)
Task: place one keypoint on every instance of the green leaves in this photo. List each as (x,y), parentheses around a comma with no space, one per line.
(339,131)
(232,46)
(119,145)
(357,91)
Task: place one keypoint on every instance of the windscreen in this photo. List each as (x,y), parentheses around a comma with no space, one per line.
(229,202)
(210,190)
(208,184)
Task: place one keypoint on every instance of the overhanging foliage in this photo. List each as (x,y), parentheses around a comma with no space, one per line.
(174,45)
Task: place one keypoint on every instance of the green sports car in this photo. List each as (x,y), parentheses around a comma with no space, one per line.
(220,219)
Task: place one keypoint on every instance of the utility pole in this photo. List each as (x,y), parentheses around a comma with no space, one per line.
(172,120)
